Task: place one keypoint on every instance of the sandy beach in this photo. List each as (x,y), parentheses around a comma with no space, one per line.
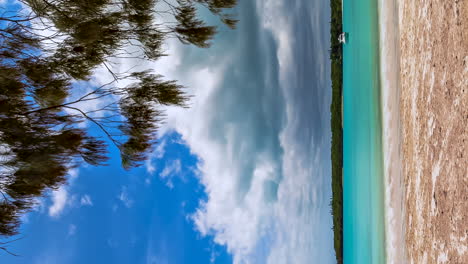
(424,69)
(433,41)
(390,99)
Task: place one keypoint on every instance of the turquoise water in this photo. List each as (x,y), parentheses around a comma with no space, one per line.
(363,230)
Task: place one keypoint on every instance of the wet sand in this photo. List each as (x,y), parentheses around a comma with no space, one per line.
(390,98)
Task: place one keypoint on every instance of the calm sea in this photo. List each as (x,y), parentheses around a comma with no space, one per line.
(364,236)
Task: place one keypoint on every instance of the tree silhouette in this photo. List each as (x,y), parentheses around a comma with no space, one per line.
(45,49)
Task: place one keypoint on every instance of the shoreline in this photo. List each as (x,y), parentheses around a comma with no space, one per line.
(391,131)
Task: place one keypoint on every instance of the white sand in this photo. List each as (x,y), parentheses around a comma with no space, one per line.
(390,97)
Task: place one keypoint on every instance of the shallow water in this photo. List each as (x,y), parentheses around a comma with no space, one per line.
(363,192)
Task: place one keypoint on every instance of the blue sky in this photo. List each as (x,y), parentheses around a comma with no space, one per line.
(242,176)
(114,216)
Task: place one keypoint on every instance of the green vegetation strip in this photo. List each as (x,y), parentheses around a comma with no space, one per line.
(336,126)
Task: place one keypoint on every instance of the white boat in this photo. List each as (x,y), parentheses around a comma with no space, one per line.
(342,38)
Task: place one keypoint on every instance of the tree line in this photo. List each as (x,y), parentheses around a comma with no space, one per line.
(336,108)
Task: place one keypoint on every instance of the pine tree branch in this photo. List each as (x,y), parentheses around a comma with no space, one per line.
(81,99)
(116,143)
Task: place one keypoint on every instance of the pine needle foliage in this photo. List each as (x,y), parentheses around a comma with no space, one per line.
(45,49)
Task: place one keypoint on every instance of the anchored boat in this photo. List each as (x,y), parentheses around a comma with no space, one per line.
(342,38)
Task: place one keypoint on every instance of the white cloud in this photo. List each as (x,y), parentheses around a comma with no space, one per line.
(266,183)
(172,169)
(71,230)
(150,167)
(157,154)
(60,197)
(86,200)
(160,150)
(124,197)
(73,174)
(268,187)
(59,200)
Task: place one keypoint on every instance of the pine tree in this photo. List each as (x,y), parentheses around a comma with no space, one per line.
(40,140)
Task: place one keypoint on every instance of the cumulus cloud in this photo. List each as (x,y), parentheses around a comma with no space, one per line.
(259,122)
(59,200)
